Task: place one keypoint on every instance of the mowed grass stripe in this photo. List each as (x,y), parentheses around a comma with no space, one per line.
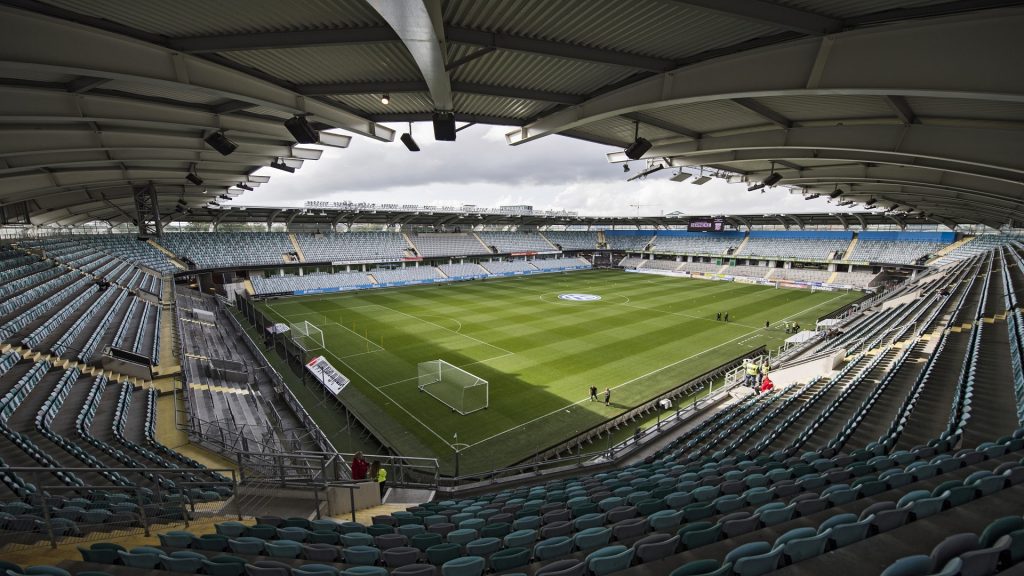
(643,323)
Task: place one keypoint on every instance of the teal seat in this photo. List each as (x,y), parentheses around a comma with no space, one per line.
(804,546)
(699,534)
(315,570)
(176,539)
(101,553)
(441,553)
(461,537)
(323,537)
(609,559)
(496,530)
(146,561)
(264,531)
(520,538)
(248,545)
(283,549)
(293,533)
(186,565)
(464,566)
(705,567)
(509,558)
(356,539)
(531,521)
(592,520)
(665,520)
(363,571)
(231,528)
(553,548)
(426,540)
(361,555)
(211,542)
(223,568)
(483,547)
(45,570)
(591,538)
(910,566)
(351,528)
(473,524)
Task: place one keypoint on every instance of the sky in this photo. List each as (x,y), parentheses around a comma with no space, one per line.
(479,168)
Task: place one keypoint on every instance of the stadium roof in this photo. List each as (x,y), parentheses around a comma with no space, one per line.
(912,103)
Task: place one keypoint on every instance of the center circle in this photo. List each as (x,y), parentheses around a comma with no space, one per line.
(579,297)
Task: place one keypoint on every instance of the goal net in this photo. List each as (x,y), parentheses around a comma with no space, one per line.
(456,388)
(307,336)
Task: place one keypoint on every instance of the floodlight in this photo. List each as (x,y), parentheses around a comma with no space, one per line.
(681,176)
(408,140)
(245,186)
(756,186)
(282,166)
(385,99)
(221,143)
(194,179)
(772,179)
(701,180)
(301,130)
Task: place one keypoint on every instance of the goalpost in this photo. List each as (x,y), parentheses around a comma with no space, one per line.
(454,387)
(307,336)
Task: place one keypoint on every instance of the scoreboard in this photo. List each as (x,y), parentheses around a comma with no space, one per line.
(706,225)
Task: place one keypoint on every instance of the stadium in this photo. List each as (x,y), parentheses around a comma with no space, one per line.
(202,372)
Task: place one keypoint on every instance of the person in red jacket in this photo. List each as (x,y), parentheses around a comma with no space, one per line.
(359,466)
(766,384)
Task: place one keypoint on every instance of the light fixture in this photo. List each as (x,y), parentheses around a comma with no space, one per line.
(408,140)
(812,196)
(871,202)
(836,193)
(639,147)
(702,179)
(193,175)
(221,143)
(282,166)
(755,186)
(213,203)
(301,130)
(680,176)
(444,126)
(772,179)
(245,186)
(625,167)
(385,99)
(224,197)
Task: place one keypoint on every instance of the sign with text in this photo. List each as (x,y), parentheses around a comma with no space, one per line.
(706,225)
(327,375)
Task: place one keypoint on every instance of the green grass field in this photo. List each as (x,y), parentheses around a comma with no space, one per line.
(539,353)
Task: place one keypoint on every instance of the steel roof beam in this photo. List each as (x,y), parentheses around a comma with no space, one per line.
(902,109)
(419,25)
(764,112)
(418,86)
(771,14)
(72,48)
(908,59)
(664,125)
(278,40)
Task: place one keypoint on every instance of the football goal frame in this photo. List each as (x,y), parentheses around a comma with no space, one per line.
(454,387)
(307,336)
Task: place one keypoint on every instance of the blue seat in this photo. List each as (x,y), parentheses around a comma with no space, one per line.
(509,558)
(591,520)
(699,534)
(656,546)
(362,571)
(520,538)
(757,564)
(461,537)
(483,547)
(706,567)
(283,549)
(665,520)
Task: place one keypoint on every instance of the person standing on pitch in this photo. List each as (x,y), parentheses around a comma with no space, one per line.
(607,396)
(719,317)
(767,323)
(593,392)
(726,316)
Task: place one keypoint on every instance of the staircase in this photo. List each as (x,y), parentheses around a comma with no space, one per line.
(482,243)
(951,247)
(832,277)
(408,241)
(550,243)
(170,255)
(849,249)
(742,245)
(298,249)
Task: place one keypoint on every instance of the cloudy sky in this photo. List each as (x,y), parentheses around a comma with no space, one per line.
(480,168)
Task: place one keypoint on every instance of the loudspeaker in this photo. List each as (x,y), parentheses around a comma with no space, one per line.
(410,143)
(301,130)
(194,179)
(444,126)
(219,142)
(637,149)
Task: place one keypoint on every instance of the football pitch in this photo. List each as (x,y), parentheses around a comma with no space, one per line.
(541,342)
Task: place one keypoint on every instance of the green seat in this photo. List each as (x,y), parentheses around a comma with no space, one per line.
(464,566)
(438,554)
(705,567)
(426,540)
(509,558)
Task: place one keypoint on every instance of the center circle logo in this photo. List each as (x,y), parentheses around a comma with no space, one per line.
(579,297)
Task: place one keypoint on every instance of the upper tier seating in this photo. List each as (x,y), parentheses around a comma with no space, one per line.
(799,245)
(432,245)
(662,264)
(554,264)
(634,241)
(631,262)
(508,242)
(893,252)
(981,244)
(572,240)
(222,249)
(353,247)
(696,243)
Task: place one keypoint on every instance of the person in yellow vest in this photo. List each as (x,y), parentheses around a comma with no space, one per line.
(379,474)
(751,379)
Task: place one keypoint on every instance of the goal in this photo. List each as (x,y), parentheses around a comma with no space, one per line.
(459,390)
(307,336)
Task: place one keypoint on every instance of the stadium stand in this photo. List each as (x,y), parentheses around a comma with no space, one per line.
(662,264)
(221,249)
(572,240)
(980,244)
(558,264)
(353,247)
(515,242)
(800,274)
(682,242)
(808,245)
(631,262)
(629,240)
(432,245)
(750,271)
(701,267)
(898,247)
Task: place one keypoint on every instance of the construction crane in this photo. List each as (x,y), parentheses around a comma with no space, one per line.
(639,206)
